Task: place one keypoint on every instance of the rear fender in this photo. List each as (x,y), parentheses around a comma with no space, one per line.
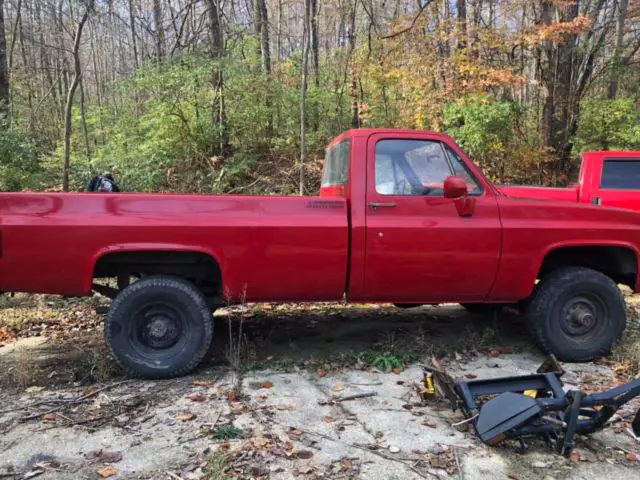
(143,247)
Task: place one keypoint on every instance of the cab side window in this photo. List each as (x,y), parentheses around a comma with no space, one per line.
(416,167)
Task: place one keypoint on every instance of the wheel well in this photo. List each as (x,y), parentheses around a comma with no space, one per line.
(200,269)
(618,263)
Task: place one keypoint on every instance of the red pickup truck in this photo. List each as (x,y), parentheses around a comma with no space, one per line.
(403,217)
(611,179)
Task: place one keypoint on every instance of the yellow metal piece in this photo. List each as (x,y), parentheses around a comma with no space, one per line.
(428,390)
(531,393)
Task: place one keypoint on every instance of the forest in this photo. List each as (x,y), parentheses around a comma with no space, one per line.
(242,96)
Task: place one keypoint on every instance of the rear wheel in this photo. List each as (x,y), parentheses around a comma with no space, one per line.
(577,313)
(159,327)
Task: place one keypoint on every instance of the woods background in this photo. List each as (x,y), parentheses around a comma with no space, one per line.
(242,95)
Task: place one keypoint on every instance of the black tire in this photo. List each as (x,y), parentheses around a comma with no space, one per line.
(482,308)
(577,313)
(159,327)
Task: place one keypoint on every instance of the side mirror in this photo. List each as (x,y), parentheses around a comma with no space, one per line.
(454,187)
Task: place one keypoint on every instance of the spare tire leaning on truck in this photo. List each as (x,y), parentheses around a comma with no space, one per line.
(159,327)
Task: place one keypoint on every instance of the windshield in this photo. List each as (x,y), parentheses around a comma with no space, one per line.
(336,165)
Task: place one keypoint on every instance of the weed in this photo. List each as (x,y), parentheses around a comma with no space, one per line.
(23,374)
(100,364)
(628,350)
(216,467)
(384,361)
(227,432)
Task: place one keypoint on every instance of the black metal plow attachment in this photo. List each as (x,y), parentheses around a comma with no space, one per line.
(535,405)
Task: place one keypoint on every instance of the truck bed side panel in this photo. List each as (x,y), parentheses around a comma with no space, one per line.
(268,248)
(545,193)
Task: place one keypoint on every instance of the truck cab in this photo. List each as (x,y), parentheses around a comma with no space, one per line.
(609,179)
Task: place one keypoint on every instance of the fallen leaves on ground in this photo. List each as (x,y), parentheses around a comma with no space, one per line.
(107,471)
(197,397)
(34,389)
(266,384)
(4,335)
(631,457)
(111,457)
(260,442)
(328,419)
(304,454)
(430,424)
(286,406)
(50,417)
(337,388)
(186,416)
(203,383)
(105,457)
(305,469)
(321,373)
(575,457)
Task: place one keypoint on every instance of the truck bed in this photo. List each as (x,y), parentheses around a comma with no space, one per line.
(275,248)
(569,194)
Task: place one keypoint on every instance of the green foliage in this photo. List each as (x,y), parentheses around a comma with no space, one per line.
(19,161)
(227,432)
(482,126)
(496,135)
(608,125)
(384,360)
(160,136)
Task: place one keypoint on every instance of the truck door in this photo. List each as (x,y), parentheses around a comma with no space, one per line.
(419,249)
(615,180)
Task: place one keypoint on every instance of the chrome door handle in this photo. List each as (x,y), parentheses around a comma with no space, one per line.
(374,205)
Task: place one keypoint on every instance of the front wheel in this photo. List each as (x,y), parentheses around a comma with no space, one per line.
(578,314)
(159,327)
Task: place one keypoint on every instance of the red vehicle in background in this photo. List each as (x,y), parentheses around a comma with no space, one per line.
(403,217)
(610,179)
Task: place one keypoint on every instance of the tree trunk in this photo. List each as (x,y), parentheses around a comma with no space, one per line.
(461,7)
(353,91)
(313,39)
(617,64)
(218,117)
(25,65)
(557,77)
(159,33)
(306,41)
(70,95)
(261,23)
(279,37)
(134,40)
(5,101)
(83,120)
